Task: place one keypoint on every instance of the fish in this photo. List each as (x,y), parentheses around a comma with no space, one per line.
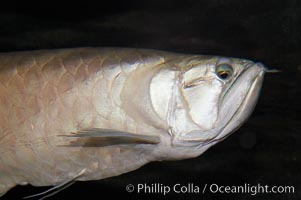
(90,113)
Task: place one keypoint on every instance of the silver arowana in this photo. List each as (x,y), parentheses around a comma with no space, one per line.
(91,113)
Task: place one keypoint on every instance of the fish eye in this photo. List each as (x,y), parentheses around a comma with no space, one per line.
(224,71)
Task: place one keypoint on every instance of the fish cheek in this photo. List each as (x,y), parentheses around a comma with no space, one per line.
(202,102)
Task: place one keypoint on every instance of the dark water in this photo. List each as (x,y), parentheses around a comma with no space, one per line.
(265,151)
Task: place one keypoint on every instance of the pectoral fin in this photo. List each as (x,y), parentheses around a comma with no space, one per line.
(97,137)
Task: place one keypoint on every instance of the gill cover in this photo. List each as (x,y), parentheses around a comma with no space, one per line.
(201,93)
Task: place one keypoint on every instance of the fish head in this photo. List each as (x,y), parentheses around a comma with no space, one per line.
(211,98)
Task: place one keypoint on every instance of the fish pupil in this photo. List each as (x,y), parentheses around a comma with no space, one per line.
(223,75)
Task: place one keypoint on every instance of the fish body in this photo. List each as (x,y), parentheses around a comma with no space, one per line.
(109,111)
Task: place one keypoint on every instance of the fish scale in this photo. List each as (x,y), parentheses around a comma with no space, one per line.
(52,95)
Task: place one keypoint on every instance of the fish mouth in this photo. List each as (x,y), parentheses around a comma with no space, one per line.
(232,120)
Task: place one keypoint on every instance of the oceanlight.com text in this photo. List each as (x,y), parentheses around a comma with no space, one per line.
(193,188)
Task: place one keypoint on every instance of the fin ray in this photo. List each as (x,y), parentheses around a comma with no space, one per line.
(97,137)
(57,188)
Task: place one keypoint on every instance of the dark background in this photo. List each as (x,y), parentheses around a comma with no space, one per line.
(265,150)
